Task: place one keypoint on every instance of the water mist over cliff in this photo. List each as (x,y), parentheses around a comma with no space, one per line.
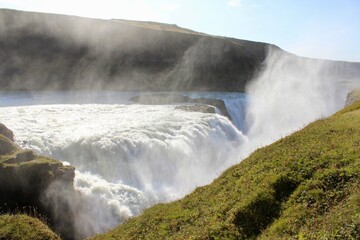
(291,92)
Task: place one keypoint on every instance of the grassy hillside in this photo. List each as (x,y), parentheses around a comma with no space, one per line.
(305,186)
(23,227)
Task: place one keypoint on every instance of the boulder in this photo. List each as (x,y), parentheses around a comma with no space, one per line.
(352,97)
(160,99)
(7,146)
(197,108)
(169,98)
(6,132)
(22,156)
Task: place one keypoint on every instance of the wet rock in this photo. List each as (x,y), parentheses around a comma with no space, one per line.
(160,99)
(165,98)
(7,146)
(197,108)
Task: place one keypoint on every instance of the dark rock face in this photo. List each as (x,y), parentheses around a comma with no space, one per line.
(40,51)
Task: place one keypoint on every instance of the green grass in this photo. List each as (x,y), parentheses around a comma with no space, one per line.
(305,186)
(23,227)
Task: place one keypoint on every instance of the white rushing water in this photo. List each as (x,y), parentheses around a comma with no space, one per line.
(128,157)
(236,103)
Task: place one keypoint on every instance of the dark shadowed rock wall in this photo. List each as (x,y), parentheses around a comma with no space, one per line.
(47,51)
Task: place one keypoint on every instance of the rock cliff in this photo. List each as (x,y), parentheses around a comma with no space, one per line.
(63,52)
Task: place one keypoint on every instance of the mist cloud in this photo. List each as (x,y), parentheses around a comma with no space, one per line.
(291,92)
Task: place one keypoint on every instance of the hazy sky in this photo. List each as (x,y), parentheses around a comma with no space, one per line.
(313,28)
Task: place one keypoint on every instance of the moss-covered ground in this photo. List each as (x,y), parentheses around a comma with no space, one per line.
(304,186)
(23,227)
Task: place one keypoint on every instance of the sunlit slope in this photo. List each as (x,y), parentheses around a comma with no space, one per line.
(158,26)
(305,186)
(23,227)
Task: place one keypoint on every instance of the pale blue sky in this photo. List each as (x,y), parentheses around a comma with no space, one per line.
(314,28)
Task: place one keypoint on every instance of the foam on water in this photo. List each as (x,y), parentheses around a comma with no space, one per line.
(128,157)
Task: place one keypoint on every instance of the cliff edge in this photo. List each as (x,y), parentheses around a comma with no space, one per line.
(24,180)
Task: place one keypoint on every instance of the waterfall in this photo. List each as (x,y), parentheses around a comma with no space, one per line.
(128,157)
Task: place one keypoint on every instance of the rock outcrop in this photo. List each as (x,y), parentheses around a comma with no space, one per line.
(165,98)
(352,97)
(6,132)
(160,99)
(25,178)
(197,108)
